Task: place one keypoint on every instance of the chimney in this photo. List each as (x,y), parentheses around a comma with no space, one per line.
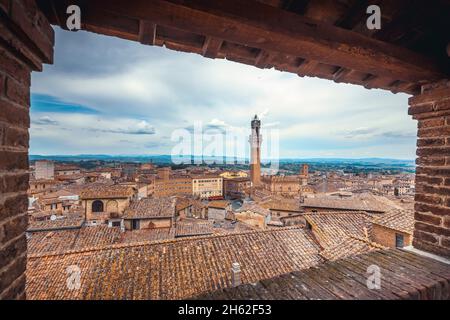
(235,274)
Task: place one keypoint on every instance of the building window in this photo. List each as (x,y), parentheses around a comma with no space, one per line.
(399,242)
(115,223)
(97,206)
(135,225)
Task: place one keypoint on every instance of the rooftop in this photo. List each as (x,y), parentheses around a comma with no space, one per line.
(193,227)
(362,202)
(171,269)
(151,208)
(60,241)
(105,191)
(331,228)
(399,219)
(404,275)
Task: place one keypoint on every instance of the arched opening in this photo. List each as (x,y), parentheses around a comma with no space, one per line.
(97,206)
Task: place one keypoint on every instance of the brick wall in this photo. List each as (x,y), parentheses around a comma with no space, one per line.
(386,236)
(26,41)
(432,110)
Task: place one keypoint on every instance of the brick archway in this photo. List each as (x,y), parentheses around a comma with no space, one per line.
(26,42)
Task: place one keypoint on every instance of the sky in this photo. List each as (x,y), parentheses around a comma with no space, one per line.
(105,95)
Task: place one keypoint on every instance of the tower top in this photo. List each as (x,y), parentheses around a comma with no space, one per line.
(256,123)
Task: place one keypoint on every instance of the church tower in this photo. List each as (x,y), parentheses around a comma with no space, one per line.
(255,145)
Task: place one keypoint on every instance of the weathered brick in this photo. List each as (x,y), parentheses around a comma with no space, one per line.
(14,115)
(446,222)
(13,228)
(434,151)
(420,108)
(430,161)
(11,160)
(445,242)
(442,105)
(420,235)
(437,190)
(17,92)
(443,131)
(430,96)
(445,172)
(13,205)
(427,218)
(431,247)
(428,123)
(13,68)
(16,291)
(14,182)
(434,209)
(447,182)
(12,251)
(16,137)
(9,275)
(25,19)
(438,231)
(431,142)
(430,199)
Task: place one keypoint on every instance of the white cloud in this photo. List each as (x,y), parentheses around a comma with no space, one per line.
(153,91)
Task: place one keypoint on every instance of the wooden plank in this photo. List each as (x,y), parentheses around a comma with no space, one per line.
(147,32)
(211,47)
(254,24)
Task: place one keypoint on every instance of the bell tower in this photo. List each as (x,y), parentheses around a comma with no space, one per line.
(255,145)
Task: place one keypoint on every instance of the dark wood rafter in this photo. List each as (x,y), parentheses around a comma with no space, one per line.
(147,32)
(278,34)
(211,47)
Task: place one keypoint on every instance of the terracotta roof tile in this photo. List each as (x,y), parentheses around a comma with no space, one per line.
(105,191)
(56,242)
(399,219)
(151,208)
(331,228)
(193,227)
(349,247)
(171,269)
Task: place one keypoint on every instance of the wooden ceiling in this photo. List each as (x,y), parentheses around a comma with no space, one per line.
(319,38)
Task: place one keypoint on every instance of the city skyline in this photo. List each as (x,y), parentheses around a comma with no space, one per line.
(78,109)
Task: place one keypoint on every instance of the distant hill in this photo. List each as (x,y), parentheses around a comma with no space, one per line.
(290,164)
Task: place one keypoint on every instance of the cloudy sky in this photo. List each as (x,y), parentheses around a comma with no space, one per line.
(105,95)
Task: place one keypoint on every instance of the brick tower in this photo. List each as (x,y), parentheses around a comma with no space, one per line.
(255,145)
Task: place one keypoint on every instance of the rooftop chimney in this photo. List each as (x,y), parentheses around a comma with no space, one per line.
(235,274)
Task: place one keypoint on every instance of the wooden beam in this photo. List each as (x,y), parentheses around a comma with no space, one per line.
(341,73)
(211,47)
(147,32)
(261,26)
(307,67)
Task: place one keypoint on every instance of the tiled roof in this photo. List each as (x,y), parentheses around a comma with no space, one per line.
(151,208)
(56,242)
(104,191)
(351,246)
(282,205)
(171,269)
(58,224)
(254,207)
(182,203)
(363,202)
(219,204)
(193,227)
(404,276)
(331,228)
(400,219)
(156,234)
